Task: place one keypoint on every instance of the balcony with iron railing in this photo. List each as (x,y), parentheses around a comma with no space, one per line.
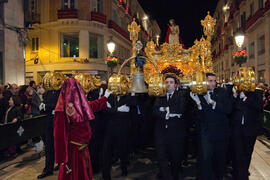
(99,17)
(118,29)
(252,19)
(67,14)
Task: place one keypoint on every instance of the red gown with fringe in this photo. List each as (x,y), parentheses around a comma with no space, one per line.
(71,124)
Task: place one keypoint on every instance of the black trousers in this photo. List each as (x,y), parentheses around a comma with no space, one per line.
(138,135)
(170,153)
(97,141)
(212,157)
(115,137)
(48,140)
(242,151)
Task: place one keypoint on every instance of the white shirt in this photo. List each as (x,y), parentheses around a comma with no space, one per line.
(169,95)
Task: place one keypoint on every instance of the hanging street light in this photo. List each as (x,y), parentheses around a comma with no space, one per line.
(239,39)
(111,46)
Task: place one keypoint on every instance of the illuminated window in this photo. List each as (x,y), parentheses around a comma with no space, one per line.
(261,76)
(35,44)
(95,46)
(114,16)
(69,4)
(252,50)
(261,45)
(260,4)
(251,8)
(97,6)
(69,45)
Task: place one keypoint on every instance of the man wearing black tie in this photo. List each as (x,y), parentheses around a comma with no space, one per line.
(214,108)
(170,129)
(246,124)
(116,133)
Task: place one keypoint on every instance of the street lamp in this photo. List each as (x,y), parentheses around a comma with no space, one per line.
(157,41)
(111,46)
(145,18)
(239,39)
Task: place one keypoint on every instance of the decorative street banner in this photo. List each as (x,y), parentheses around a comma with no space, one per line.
(11,134)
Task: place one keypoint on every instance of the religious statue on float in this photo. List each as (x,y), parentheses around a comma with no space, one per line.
(172,36)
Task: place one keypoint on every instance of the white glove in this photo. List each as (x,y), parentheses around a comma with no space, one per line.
(123,108)
(243,96)
(162,109)
(209,100)
(175,115)
(100,92)
(234,92)
(167,116)
(42,107)
(107,93)
(109,105)
(195,98)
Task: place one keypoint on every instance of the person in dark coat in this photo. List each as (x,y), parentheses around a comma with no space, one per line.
(140,125)
(2,107)
(116,135)
(246,124)
(36,101)
(24,100)
(214,108)
(170,129)
(50,100)
(13,113)
(98,126)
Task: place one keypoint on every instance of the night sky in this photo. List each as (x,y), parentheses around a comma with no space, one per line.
(187,15)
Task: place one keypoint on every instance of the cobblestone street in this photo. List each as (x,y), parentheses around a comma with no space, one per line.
(142,167)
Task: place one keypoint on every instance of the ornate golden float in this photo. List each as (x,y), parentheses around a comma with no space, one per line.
(193,63)
(55,80)
(244,79)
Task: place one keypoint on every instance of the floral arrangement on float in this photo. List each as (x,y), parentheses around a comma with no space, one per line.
(111,61)
(172,71)
(240,57)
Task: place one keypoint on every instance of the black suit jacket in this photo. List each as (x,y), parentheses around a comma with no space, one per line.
(176,127)
(112,112)
(50,99)
(251,110)
(214,123)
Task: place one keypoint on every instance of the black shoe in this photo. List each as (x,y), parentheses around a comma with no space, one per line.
(44,174)
(124,172)
(20,151)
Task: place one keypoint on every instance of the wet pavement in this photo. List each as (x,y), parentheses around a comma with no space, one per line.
(142,166)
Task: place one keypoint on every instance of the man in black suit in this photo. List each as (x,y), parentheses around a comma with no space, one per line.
(214,108)
(116,133)
(170,129)
(98,126)
(50,100)
(246,124)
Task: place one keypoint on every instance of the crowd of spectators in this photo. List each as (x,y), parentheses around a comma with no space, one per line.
(16,104)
